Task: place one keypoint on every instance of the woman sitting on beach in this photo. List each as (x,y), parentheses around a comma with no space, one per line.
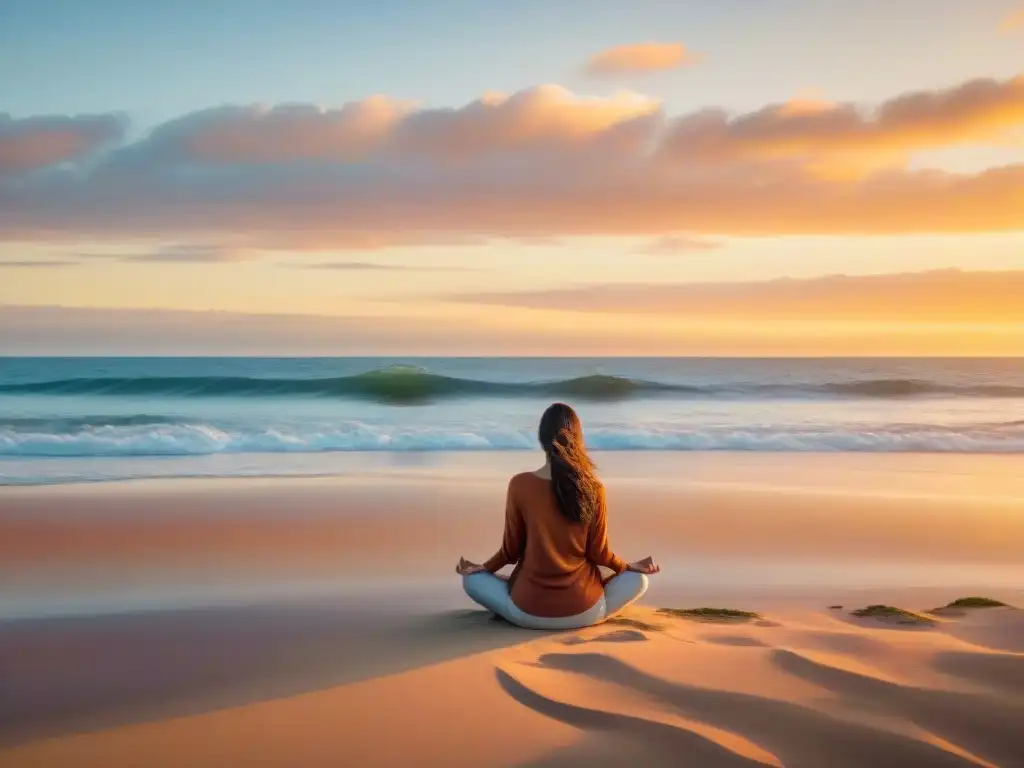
(556,534)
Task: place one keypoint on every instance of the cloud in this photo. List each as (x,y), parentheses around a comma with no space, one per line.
(546,117)
(949,295)
(380,240)
(81,330)
(56,330)
(29,144)
(193,253)
(37,264)
(823,135)
(284,133)
(674,245)
(1014,22)
(182,253)
(540,164)
(372,266)
(354,266)
(639,59)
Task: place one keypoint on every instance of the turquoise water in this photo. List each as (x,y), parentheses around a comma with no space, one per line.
(80,419)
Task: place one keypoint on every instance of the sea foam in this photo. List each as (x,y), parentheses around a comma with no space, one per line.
(167,438)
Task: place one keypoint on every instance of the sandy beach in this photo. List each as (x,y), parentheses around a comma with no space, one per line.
(317,622)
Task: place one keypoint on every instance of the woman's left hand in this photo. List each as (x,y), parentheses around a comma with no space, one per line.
(467,568)
(646,566)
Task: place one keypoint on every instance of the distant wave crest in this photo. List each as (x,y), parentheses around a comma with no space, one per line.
(412,385)
(912,387)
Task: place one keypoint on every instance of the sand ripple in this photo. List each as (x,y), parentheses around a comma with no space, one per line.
(800,691)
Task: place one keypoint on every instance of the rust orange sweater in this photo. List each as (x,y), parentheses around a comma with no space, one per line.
(557,560)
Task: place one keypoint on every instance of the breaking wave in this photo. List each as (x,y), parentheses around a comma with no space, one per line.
(155,436)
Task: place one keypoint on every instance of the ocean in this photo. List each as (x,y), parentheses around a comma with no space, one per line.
(89,419)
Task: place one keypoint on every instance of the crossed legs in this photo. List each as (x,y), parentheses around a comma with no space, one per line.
(492,593)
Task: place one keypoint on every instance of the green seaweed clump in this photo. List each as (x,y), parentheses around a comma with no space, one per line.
(976,602)
(901,615)
(709,613)
(626,621)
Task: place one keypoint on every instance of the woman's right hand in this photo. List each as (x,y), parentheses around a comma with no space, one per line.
(646,566)
(468,568)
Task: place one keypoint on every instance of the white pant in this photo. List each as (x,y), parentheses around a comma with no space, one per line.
(492,593)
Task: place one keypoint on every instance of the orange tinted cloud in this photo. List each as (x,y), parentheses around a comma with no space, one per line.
(539,164)
(948,296)
(287,132)
(639,59)
(808,101)
(541,330)
(294,212)
(821,133)
(544,117)
(548,117)
(32,143)
(673,245)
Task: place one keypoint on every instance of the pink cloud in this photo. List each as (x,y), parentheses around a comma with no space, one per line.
(546,116)
(29,144)
(287,132)
(640,58)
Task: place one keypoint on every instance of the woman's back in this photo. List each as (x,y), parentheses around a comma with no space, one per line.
(557,558)
(556,534)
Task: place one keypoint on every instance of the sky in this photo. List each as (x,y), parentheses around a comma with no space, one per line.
(751,178)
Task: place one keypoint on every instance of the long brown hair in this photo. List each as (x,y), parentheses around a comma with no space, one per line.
(577,489)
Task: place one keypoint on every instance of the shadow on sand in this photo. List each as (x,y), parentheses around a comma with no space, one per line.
(796,734)
(76,674)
